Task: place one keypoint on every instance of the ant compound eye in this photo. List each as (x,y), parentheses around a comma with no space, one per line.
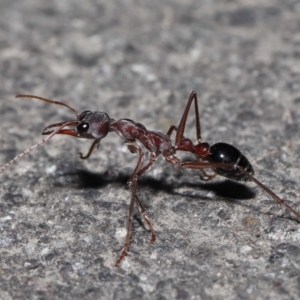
(82,128)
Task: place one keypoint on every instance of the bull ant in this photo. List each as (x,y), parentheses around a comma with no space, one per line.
(223,159)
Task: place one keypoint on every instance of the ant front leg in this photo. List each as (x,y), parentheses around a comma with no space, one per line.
(95,143)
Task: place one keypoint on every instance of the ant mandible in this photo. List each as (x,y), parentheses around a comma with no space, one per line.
(224,159)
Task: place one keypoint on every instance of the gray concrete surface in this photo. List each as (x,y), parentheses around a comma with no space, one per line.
(62,218)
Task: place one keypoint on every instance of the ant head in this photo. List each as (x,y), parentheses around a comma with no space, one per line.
(92,125)
(89,125)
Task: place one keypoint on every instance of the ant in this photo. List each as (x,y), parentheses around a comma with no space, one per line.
(223,159)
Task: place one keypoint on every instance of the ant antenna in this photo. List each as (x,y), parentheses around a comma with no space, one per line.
(34,146)
(49,101)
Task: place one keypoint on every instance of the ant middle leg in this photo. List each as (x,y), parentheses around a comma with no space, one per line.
(133,148)
(142,171)
(180,129)
(132,182)
(170,131)
(182,123)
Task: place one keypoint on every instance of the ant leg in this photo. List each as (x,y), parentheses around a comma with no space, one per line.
(134,149)
(182,123)
(267,190)
(127,240)
(146,168)
(146,220)
(95,143)
(170,131)
(202,165)
(132,182)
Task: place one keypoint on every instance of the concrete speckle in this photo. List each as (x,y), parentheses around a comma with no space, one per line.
(63,220)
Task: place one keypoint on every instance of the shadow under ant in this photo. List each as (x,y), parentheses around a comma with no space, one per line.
(225,190)
(228,189)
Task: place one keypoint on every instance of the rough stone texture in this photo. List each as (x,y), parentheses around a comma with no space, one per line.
(62,219)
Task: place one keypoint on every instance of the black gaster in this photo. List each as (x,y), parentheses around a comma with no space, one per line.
(225,153)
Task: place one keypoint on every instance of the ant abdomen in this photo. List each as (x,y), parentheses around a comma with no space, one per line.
(226,153)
